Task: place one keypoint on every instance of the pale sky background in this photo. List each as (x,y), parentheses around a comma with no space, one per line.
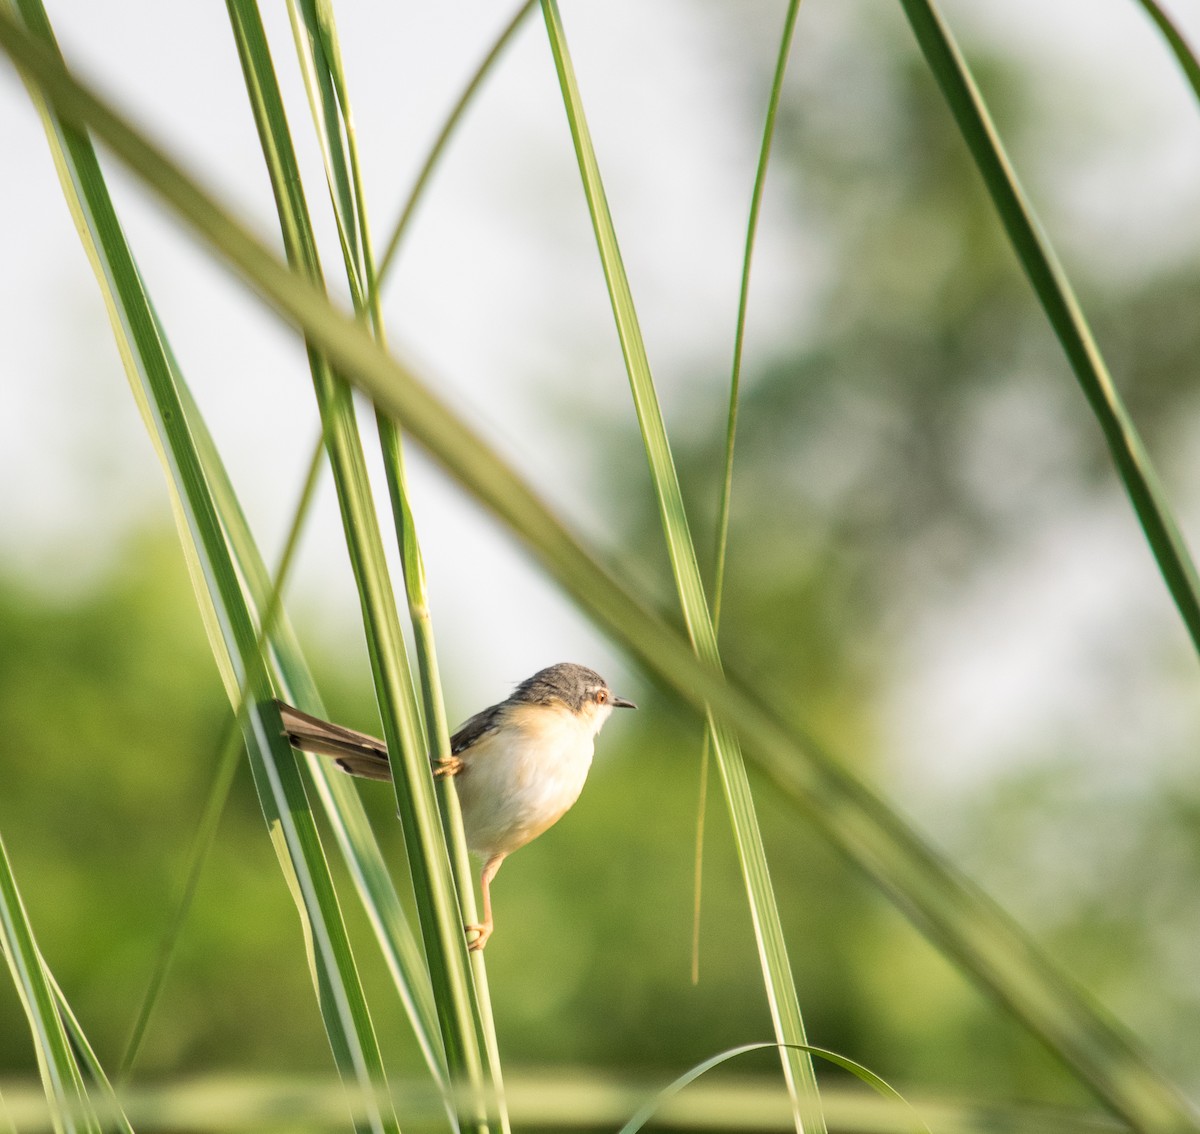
(500,299)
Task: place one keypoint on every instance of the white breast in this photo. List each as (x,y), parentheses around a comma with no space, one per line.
(522,778)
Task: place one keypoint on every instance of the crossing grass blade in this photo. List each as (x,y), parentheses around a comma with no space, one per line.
(439,911)
(1063,311)
(969,928)
(764,913)
(342,807)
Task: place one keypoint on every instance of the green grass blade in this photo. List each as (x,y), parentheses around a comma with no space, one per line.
(102,1095)
(433,880)
(62,1079)
(1176,41)
(969,928)
(739,336)
(1062,308)
(777,973)
(343,808)
(318,46)
(448,127)
(276,775)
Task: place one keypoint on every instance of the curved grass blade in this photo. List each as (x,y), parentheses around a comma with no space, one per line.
(764,913)
(1062,309)
(969,928)
(879,1085)
(1176,41)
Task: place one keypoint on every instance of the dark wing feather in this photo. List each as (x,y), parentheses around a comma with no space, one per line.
(358,753)
(476,728)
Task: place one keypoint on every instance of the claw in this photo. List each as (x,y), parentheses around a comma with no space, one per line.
(482,933)
(451,766)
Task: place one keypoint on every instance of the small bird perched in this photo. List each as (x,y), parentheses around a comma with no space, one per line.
(518,766)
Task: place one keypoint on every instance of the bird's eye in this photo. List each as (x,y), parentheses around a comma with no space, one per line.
(601,696)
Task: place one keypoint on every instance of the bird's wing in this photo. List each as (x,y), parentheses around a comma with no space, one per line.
(476,729)
(358,753)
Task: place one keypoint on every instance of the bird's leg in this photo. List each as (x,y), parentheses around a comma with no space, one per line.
(450,766)
(484,929)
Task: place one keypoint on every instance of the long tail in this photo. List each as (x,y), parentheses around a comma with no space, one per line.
(354,752)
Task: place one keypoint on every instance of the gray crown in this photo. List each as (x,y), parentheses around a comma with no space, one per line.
(573,685)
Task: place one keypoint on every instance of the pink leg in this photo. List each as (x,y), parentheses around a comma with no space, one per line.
(484,928)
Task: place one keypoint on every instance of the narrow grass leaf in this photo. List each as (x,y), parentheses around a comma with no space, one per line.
(342,805)
(735,385)
(102,1096)
(317,43)
(318,46)
(777,972)
(1062,309)
(969,928)
(433,879)
(448,127)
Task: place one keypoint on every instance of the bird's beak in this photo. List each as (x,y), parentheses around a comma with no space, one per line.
(621,703)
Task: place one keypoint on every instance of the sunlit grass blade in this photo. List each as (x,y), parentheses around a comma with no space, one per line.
(970,929)
(1062,309)
(1176,41)
(62,1080)
(276,775)
(448,127)
(438,906)
(777,973)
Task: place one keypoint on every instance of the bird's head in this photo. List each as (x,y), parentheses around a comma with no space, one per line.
(581,690)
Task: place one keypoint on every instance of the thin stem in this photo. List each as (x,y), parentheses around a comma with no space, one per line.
(735,385)
(448,128)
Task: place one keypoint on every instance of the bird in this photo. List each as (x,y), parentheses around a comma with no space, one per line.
(518,765)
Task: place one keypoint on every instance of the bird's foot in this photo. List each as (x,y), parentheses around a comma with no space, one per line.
(482,932)
(450,766)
